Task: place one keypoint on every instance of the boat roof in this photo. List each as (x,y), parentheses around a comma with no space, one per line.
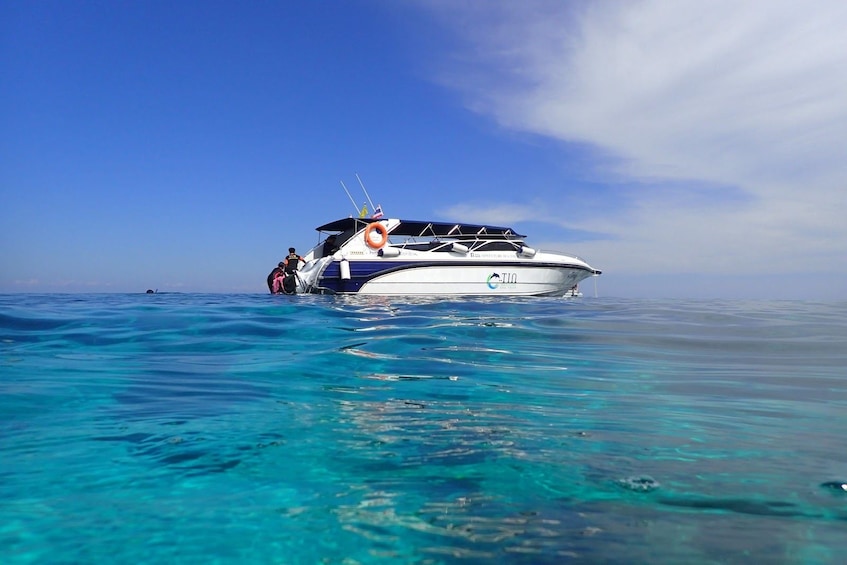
(416,228)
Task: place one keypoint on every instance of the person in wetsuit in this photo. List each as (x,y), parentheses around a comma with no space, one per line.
(277,271)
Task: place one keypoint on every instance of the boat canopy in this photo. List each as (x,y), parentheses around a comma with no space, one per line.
(427,229)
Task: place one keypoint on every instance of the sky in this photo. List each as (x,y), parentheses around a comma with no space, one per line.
(688,149)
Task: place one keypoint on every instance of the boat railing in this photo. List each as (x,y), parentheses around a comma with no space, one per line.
(447,243)
(457,232)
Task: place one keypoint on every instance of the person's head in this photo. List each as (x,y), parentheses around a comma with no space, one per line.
(331,239)
(291,250)
(281,264)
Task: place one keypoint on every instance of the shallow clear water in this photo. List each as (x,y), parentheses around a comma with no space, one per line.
(187,428)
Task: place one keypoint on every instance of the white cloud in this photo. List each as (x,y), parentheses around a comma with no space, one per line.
(736,97)
(498,214)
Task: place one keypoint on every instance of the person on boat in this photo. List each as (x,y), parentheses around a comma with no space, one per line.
(286,281)
(277,271)
(292,262)
(330,246)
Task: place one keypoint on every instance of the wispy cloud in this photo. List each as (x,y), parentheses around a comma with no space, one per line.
(730,116)
(498,214)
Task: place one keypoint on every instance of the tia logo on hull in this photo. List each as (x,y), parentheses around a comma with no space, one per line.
(495,280)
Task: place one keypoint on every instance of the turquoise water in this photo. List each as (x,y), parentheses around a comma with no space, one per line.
(180,428)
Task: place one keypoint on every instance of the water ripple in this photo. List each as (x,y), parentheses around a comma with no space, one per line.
(170,428)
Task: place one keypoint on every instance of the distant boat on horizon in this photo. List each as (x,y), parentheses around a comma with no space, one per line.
(573,292)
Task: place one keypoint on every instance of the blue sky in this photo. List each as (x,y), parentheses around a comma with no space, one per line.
(685,148)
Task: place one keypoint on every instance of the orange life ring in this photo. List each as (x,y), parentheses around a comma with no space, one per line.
(372,227)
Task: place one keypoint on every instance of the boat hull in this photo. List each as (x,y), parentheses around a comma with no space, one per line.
(453,279)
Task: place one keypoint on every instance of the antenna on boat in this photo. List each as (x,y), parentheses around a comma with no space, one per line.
(365,191)
(350,197)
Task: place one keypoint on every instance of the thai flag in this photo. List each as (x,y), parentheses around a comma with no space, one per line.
(377,212)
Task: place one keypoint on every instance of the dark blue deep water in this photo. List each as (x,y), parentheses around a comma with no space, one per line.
(183,428)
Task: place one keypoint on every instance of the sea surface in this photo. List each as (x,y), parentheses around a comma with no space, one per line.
(199,428)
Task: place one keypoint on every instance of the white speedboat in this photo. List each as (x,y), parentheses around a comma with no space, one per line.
(412,258)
